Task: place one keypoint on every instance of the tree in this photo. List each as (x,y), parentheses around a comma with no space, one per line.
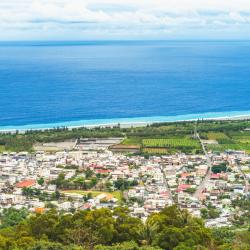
(33,192)
(12,216)
(92,227)
(213,213)
(87,196)
(169,238)
(129,245)
(25,242)
(59,181)
(190,190)
(44,224)
(88,173)
(56,195)
(103,229)
(242,240)
(122,184)
(210,213)
(219,168)
(176,227)
(148,232)
(127,227)
(40,181)
(46,245)
(80,182)
(3,242)
(204,213)
(223,235)
(93,181)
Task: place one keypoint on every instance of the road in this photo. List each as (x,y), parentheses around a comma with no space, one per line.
(243,174)
(209,163)
(166,184)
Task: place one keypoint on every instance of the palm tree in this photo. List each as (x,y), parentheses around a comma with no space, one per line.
(148,232)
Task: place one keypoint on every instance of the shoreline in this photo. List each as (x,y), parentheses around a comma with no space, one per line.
(129,122)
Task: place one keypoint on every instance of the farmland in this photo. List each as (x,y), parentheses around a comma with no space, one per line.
(216,136)
(156,151)
(171,143)
(229,140)
(172,138)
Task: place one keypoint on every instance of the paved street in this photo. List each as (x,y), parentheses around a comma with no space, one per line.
(167,187)
(209,163)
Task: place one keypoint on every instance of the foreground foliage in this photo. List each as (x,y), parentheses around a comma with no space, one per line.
(103,229)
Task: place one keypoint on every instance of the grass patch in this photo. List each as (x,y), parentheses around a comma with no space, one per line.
(2,149)
(115,194)
(224,147)
(132,141)
(216,136)
(245,140)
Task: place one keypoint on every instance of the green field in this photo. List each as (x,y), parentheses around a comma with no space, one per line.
(171,143)
(228,140)
(132,141)
(240,136)
(244,140)
(216,136)
(224,147)
(2,149)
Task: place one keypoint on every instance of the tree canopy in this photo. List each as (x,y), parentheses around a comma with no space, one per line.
(103,229)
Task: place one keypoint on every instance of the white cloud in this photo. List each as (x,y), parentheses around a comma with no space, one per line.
(20,19)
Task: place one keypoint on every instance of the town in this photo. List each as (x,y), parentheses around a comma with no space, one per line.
(89,173)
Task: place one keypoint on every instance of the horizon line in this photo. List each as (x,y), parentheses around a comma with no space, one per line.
(124,40)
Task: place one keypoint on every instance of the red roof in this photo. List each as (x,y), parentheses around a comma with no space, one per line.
(215,176)
(87,206)
(39,210)
(184,175)
(26,183)
(164,194)
(102,171)
(184,186)
(202,197)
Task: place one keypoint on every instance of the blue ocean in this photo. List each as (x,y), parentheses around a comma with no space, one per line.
(49,84)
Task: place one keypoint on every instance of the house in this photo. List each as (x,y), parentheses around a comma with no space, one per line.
(183,187)
(26,184)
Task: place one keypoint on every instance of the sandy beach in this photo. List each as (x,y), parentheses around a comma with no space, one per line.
(125,123)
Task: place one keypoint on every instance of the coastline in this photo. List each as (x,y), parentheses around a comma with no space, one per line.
(130,122)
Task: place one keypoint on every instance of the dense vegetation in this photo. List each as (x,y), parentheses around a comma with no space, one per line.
(219,168)
(75,182)
(176,136)
(122,184)
(103,229)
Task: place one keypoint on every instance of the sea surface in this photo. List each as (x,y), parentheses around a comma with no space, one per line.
(49,84)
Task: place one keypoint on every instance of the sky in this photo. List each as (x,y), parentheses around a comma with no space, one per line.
(124,19)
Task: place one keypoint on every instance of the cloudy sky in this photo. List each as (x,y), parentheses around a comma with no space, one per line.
(124,19)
